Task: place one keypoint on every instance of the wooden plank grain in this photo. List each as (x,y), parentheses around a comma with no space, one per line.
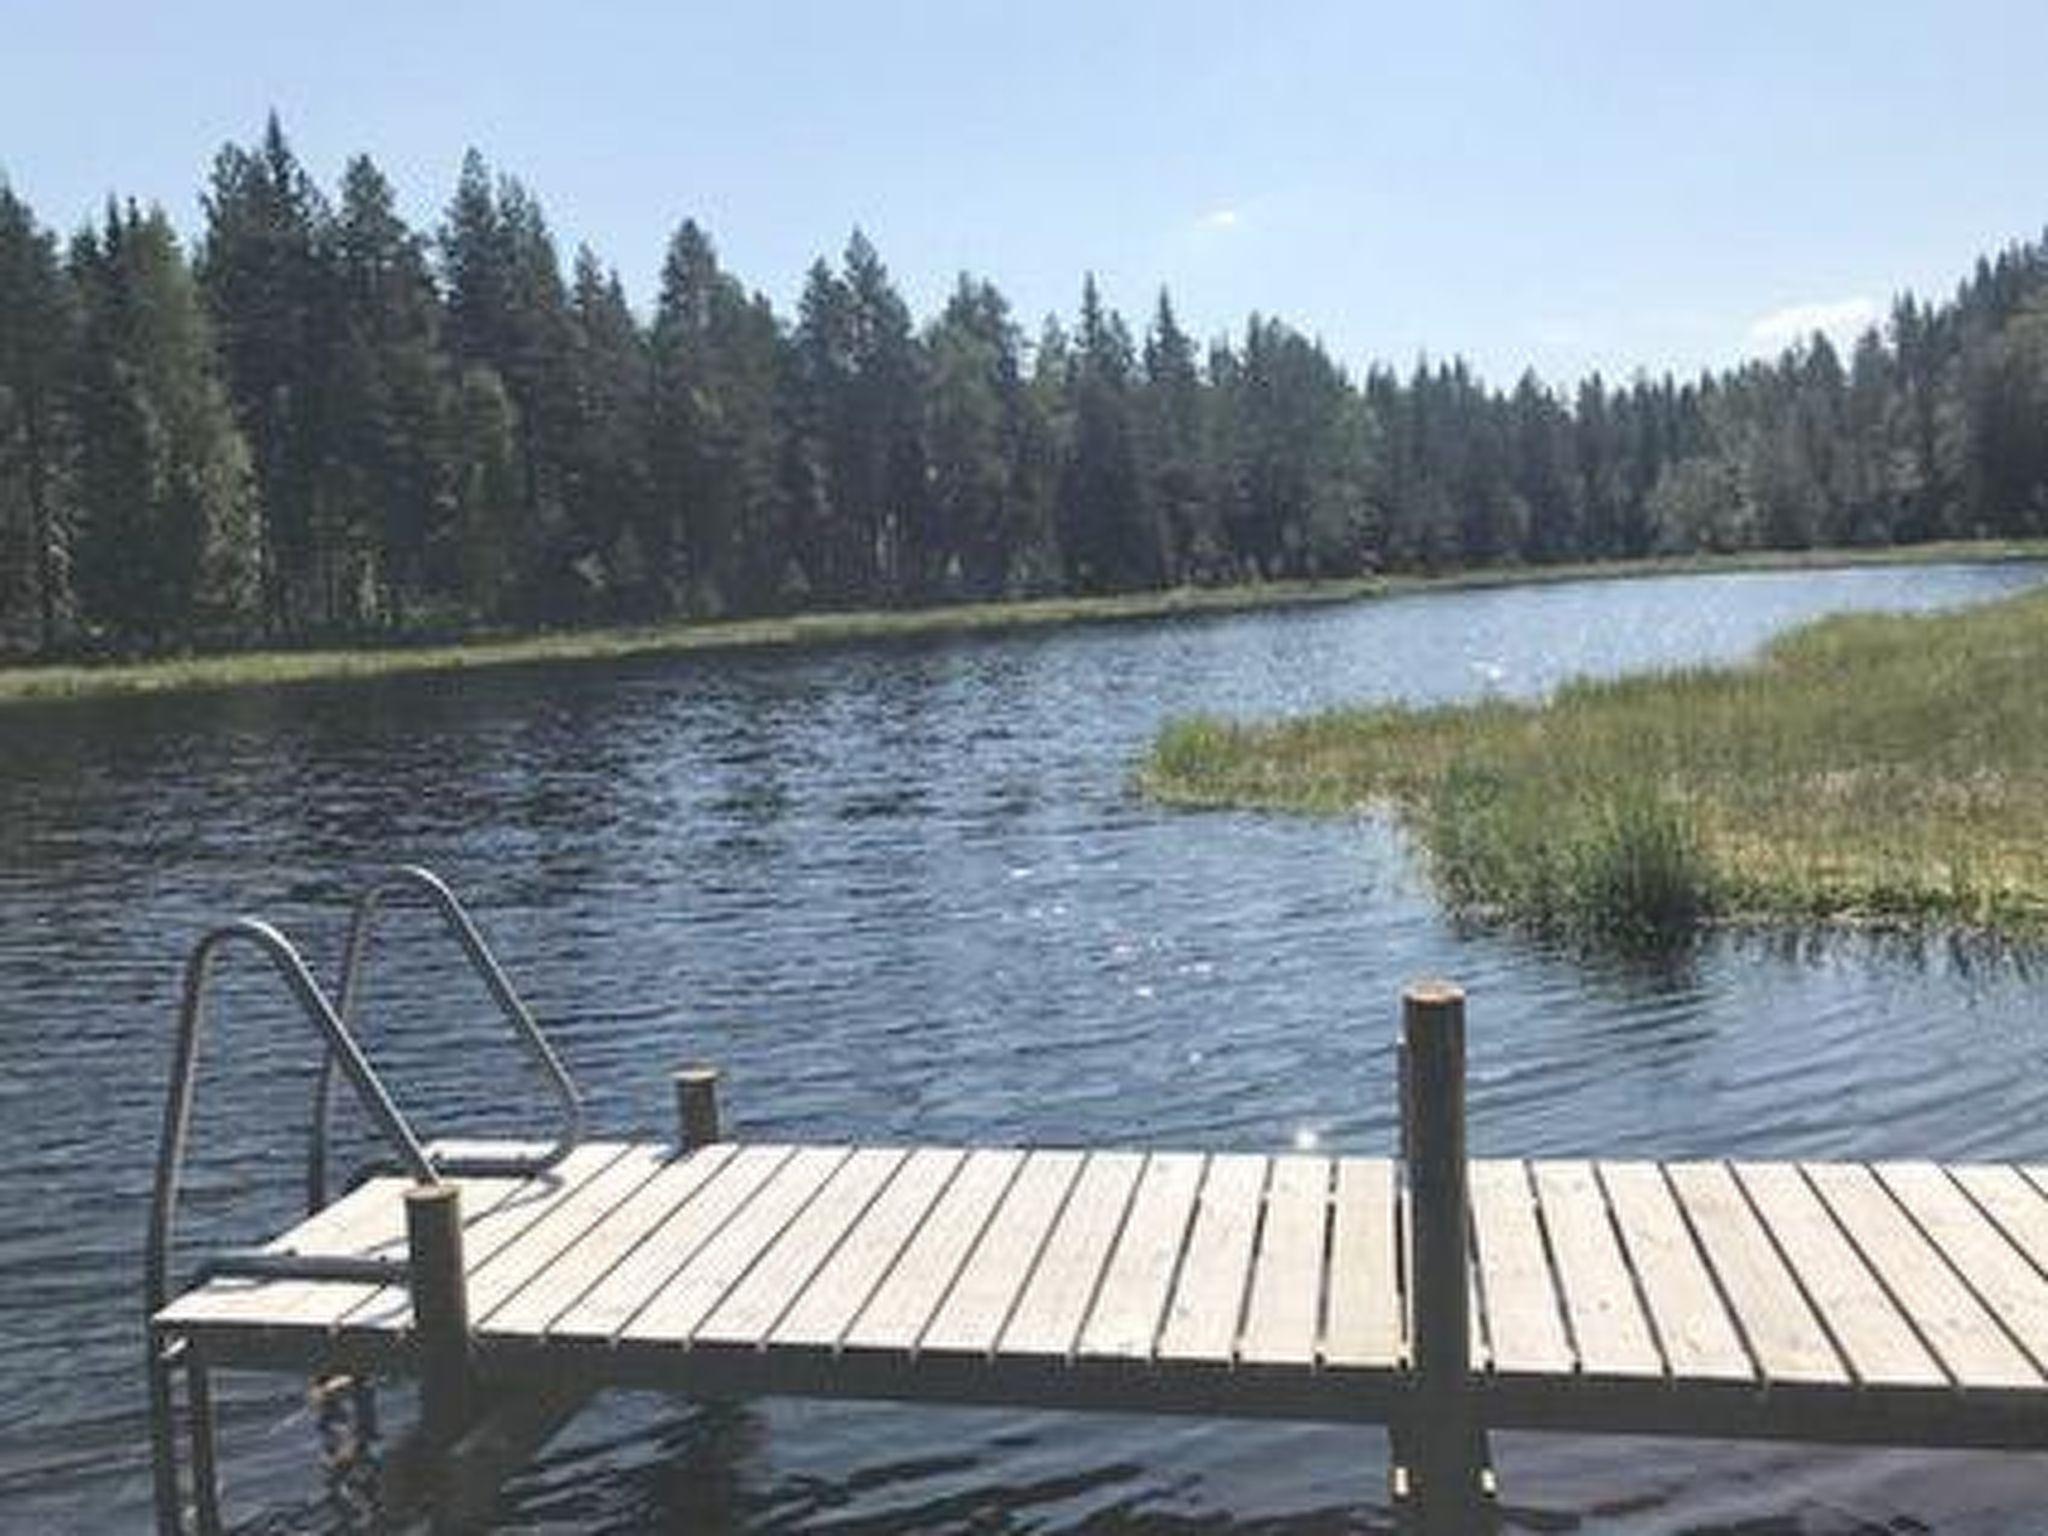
(533,1310)
(901,1309)
(1610,1333)
(1879,1343)
(837,1292)
(2004,1194)
(1202,1315)
(1953,1323)
(1698,1338)
(497,1278)
(1524,1315)
(1364,1327)
(486,1233)
(1124,1322)
(1788,1340)
(1283,1311)
(1997,1276)
(971,1318)
(757,1301)
(1048,1316)
(626,1287)
(680,1307)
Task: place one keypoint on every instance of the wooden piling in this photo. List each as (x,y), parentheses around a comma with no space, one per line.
(696,1107)
(1442,1446)
(440,1309)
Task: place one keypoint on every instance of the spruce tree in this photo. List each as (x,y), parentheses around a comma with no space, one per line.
(264,266)
(606,481)
(820,462)
(391,411)
(1109,542)
(168,540)
(882,458)
(1172,443)
(973,404)
(38,351)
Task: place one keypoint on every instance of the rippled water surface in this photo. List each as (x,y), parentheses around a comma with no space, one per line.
(905,891)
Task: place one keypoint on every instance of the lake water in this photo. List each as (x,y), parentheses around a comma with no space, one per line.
(904,891)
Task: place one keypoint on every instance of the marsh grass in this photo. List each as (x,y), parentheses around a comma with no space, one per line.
(1887,769)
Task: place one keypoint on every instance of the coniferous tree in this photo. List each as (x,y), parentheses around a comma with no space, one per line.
(265,271)
(1173,443)
(390,415)
(606,474)
(820,461)
(38,342)
(882,458)
(973,405)
(168,539)
(508,313)
(1104,527)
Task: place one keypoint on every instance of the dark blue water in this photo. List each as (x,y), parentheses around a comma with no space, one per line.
(906,891)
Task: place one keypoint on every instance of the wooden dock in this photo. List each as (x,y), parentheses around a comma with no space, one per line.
(1901,1303)
(1896,1301)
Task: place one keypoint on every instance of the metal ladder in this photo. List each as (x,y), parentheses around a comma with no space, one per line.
(336,1028)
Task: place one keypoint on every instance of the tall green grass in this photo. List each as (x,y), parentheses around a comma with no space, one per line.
(1879,768)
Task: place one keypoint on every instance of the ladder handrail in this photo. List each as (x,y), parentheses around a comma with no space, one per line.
(341,1049)
(463,929)
(163,1208)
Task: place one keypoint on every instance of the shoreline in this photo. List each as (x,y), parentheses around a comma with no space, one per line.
(56,682)
(1865,769)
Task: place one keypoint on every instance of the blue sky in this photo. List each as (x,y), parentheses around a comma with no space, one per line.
(1559,186)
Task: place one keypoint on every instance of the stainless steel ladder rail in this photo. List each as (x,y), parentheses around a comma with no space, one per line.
(463,929)
(165,1355)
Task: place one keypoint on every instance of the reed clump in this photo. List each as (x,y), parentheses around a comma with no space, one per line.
(1887,769)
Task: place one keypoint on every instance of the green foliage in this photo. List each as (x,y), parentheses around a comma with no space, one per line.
(400,399)
(168,552)
(38,513)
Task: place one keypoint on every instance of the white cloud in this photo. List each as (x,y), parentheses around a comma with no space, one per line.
(1840,319)
(1221,219)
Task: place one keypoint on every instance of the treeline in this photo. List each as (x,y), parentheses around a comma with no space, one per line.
(329,425)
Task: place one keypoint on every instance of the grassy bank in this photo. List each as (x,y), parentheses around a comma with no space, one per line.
(272,668)
(1873,768)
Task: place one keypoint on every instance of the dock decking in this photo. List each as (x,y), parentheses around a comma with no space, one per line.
(1894,1303)
(1889,1302)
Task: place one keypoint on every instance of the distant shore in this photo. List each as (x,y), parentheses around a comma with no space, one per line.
(244,669)
(1866,769)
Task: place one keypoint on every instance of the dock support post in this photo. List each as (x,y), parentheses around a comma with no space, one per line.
(696,1107)
(1442,1477)
(440,1311)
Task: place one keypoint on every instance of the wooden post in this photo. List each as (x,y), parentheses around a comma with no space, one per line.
(1442,1447)
(696,1107)
(440,1311)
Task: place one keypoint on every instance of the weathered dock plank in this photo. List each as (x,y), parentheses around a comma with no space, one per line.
(1124,1323)
(1610,1334)
(1283,1311)
(821,1315)
(1698,1338)
(1876,1338)
(1524,1317)
(1365,1327)
(897,1315)
(1831,1299)
(971,1318)
(1202,1317)
(1788,1340)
